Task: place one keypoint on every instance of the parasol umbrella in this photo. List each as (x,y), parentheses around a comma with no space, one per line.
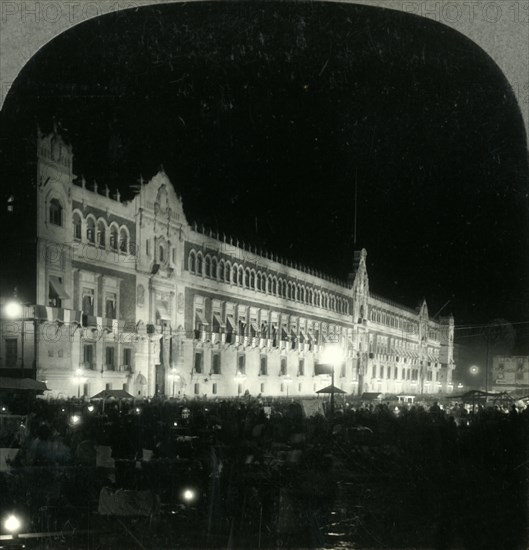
(330,389)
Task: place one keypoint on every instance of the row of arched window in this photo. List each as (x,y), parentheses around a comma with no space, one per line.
(391,320)
(220,270)
(99,233)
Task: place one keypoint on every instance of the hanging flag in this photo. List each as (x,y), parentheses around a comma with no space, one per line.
(320,368)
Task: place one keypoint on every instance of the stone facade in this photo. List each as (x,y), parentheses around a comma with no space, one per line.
(137,298)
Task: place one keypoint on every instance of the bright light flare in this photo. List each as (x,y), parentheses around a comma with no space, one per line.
(189,495)
(13,310)
(75,419)
(332,355)
(90,408)
(12,524)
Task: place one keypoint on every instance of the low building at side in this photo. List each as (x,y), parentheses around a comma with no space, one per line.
(130,295)
(510,373)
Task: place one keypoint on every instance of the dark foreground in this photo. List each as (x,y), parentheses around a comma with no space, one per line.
(422,478)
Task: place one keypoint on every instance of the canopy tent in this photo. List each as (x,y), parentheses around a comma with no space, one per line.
(330,389)
(22,384)
(113,394)
(371,395)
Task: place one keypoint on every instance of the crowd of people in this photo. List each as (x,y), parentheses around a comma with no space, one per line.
(272,468)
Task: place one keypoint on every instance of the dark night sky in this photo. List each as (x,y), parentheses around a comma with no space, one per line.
(262,115)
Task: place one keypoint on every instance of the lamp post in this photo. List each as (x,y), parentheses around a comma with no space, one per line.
(79,378)
(473,370)
(333,355)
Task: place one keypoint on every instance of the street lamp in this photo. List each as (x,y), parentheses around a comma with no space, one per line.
(12,524)
(13,309)
(79,378)
(333,355)
(239,378)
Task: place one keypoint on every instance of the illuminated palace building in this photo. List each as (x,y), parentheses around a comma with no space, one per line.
(128,295)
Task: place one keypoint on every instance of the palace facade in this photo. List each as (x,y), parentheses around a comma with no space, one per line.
(129,295)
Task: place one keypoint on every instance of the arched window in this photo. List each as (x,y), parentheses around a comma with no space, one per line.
(101,235)
(247,278)
(77,227)
(283,288)
(55,212)
(221,270)
(199,264)
(161,253)
(227,272)
(302,294)
(258,281)
(252,280)
(234,274)
(214,273)
(90,231)
(241,276)
(123,240)
(274,287)
(271,287)
(113,238)
(207,266)
(192,262)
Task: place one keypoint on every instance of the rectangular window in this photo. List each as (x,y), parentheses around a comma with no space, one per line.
(88,301)
(381,371)
(54,299)
(262,387)
(215,363)
(109,356)
(283,367)
(147,247)
(11,352)
(110,306)
(396,373)
(214,388)
(88,356)
(173,255)
(198,363)
(374,371)
(241,364)
(263,368)
(127,357)
(197,389)
(86,389)
(108,386)
(301,367)
(429,376)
